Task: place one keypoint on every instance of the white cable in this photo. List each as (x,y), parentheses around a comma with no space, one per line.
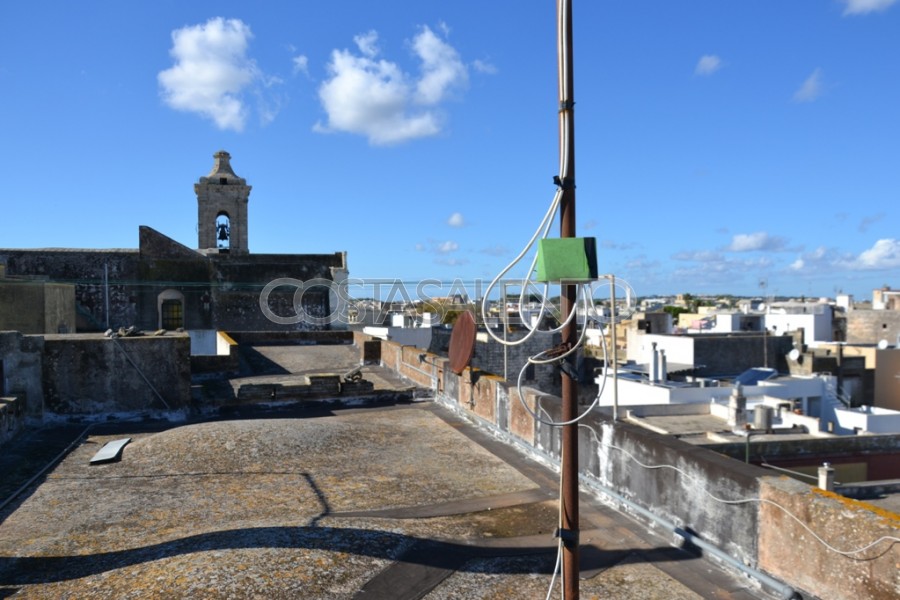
(744,500)
(536,358)
(549,215)
(586,411)
(559,546)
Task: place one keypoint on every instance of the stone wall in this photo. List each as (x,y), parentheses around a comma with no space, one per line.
(218,291)
(790,548)
(37,307)
(91,374)
(489,355)
(12,418)
(714,498)
(21,370)
(98,277)
(872,326)
(732,354)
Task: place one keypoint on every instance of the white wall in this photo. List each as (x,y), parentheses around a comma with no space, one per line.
(204,342)
(870,419)
(420,337)
(816,327)
(633,392)
(679,349)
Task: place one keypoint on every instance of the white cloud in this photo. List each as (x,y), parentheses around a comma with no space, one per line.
(862,7)
(373,97)
(699,256)
(211,71)
(366,42)
(484,67)
(447,247)
(456,220)
(708,64)
(301,64)
(749,242)
(496,250)
(442,70)
(452,262)
(885,254)
(811,88)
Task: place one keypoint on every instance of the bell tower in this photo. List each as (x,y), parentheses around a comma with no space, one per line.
(222,208)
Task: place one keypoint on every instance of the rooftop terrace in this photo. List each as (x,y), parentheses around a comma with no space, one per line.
(317,501)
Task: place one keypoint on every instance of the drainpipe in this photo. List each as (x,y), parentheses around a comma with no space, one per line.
(663,374)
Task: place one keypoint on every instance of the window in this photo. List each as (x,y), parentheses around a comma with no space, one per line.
(172,314)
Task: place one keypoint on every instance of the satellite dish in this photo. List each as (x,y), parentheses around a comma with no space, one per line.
(882,345)
(462,342)
(794,354)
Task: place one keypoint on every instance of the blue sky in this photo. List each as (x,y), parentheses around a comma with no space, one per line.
(718,144)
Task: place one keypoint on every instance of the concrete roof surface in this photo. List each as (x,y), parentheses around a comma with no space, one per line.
(400,502)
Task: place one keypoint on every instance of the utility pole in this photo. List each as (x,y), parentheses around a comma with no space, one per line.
(569,450)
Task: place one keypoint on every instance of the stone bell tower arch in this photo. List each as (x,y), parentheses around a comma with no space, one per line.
(222,200)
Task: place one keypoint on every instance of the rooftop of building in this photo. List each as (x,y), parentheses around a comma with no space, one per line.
(397,500)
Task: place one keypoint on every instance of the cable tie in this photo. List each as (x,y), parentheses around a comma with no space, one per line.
(568,536)
(569,369)
(566,184)
(565,105)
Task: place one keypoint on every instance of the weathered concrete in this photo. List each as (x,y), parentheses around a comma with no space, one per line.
(714,498)
(21,367)
(400,503)
(796,549)
(90,374)
(12,421)
(37,307)
(871,326)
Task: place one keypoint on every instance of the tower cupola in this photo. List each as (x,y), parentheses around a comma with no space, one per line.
(222,199)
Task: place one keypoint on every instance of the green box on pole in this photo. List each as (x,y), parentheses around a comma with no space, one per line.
(571,260)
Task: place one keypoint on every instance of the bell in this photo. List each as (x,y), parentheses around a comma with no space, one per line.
(223,232)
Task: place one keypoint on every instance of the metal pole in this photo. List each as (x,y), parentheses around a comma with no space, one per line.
(615,347)
(569,449)
(106,290)
(505,325)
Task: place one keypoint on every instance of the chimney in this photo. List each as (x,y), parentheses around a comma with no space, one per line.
(737,408)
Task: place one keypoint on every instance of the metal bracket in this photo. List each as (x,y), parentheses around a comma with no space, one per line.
(568,536)
(567,184)
(569,369)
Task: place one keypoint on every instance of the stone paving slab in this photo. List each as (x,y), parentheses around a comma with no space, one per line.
(300,508)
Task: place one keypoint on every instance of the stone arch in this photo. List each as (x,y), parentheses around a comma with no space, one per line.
(223,230)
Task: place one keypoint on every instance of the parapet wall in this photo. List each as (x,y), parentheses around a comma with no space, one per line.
(12,421)
(93,374)
(714,498)
(790,551)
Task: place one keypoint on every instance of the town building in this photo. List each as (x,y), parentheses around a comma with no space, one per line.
(220,285)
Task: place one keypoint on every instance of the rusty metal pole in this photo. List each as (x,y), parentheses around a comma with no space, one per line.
(569,450)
